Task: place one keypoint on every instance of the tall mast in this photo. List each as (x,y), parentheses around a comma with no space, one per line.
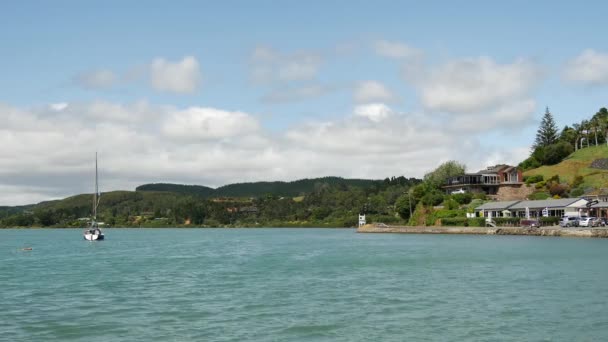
(95,201)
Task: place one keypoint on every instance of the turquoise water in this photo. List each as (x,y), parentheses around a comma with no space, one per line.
(300,285)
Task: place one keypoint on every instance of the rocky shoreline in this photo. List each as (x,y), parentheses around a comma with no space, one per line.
(543,231)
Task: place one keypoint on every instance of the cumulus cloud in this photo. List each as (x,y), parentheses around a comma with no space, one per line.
(178,77)
(396,50)
(516,114)
(477,84)
(58,106)
(375,112)
(140,143)
(197,123)
(97,79)
(372,91)
(590,67)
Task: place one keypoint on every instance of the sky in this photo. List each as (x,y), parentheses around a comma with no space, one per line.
(213,93)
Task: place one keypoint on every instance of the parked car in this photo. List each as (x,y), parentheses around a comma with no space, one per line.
(597,222)
(586,221)
(569,221)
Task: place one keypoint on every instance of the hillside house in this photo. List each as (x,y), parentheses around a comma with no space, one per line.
(499,182)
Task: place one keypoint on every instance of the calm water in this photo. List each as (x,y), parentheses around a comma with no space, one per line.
(300,285)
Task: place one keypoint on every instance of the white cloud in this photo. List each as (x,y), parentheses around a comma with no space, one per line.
(296,93)
(178,77)
(590,67)
(97,79)
(269,66)
(516,114)
(375,112)
(477,84)
(372,91)
(197,123)
(396,50)
(58,107)
(140,143)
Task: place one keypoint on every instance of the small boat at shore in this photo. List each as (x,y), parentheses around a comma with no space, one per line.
(93,232)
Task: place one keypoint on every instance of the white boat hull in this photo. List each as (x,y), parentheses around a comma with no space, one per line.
(93,237)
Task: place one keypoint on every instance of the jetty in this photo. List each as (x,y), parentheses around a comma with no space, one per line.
(527,231)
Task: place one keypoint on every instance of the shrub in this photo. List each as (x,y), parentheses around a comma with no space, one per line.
(450,204)
(578,180)
(533,179)
(480,196)
(455,221)
(447,213)
(549,221)
(577,192)
(530,163)
(463,198)
(477,222)
(557,190)
(507,221)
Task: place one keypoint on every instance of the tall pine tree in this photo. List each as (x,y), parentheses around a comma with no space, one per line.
(547,132)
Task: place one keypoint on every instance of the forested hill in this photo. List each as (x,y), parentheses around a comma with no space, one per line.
(320,202)
(258,189)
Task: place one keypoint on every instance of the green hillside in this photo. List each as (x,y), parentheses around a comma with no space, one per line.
(578,164)
(258,189)
(321,202)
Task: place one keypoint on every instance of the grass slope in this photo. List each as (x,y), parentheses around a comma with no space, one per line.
(577,164)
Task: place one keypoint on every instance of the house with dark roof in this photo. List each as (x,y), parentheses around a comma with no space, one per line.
(499,182)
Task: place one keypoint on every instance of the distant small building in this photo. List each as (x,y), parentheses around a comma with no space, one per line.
(249,209)
(362,221)
(499,182)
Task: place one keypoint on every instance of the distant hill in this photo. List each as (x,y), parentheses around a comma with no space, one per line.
(258,189)
(198,190)
(579,163)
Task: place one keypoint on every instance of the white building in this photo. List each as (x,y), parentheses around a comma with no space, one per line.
(554,207)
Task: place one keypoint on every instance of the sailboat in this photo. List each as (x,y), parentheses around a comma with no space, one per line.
(94,233)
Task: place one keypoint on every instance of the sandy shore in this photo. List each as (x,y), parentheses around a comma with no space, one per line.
(544,231)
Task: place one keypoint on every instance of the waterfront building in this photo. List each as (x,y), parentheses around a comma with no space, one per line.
(535,208)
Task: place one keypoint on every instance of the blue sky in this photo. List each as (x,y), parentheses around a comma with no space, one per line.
(260,90)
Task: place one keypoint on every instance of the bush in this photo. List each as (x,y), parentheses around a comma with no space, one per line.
(455,221)
(450,204)
(480,196)
(507,221)
(557,190)
(577,192)
(533,179)
(477,222)
(578,180)
(530,163)
(549,221)
(447,213)
(463,198)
